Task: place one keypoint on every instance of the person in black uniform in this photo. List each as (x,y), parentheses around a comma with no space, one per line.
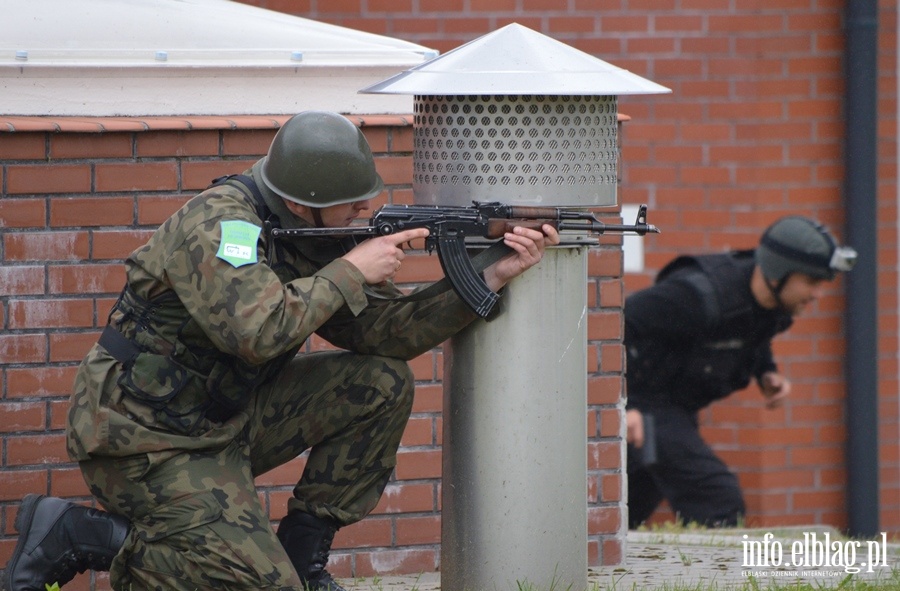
(700,333)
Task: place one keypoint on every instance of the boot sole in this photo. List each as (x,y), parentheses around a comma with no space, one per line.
(23,518)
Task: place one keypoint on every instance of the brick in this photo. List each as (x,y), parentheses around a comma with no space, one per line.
(117,244)
(21,280)
(623,24)
(34,450)
(613,553)
(136,176)
(23,146)
(611,420)
(15,484)
(90,145)
(449,6)
(197,175)
(71,347)
(682,23)
(23,348)
(400,140)
(610,487)
(378,138)
(368,533)
(605,389)
(605,262)
(48,178)
(705,45)
(419,431)
(46,246)
(18,417)
(59,410)
(92,211)
(62,313)
(369,564)
(394,169)
(68,483)
(418,464)
(558,25)
(592,488)
(604,326)
(253,143)
(497,6)
(604,455)
(278,500)
(407,498)
(651,45)
(81,279)
(154,210)
(22,213)
(739,23)
(815,21)
(423,367)
(420,268)
(39,381)
(428,398)
(603,520)
(163,144)
(819,499)
(414,531)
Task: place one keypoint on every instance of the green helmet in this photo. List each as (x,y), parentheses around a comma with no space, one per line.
(796,244)
(319,159)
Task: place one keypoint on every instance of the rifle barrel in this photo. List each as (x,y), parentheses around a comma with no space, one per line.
(313,232)
(602,228)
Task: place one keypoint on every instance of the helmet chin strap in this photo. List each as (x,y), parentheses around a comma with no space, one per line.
(317,216)
(776,288)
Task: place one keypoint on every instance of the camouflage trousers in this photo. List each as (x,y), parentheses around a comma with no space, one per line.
(198,520)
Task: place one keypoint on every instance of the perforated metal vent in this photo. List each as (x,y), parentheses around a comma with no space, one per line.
(555,150)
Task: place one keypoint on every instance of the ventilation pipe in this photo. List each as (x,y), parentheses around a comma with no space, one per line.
(862,284)
(522,119)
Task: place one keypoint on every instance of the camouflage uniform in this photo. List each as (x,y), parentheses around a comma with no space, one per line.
(173,438)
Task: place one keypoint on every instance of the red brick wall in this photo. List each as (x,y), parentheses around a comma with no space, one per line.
(753,130)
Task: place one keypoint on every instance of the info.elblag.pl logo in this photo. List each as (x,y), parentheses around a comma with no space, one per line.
(815,552)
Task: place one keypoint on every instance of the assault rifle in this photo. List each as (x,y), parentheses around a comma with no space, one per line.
(449,226)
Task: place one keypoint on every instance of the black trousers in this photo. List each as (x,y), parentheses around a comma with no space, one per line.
(697,484)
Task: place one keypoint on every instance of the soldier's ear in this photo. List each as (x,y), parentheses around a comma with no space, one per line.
(299,210)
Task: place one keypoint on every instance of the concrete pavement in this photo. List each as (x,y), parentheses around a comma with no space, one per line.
(718,559)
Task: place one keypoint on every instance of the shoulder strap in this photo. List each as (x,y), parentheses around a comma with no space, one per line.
(252,191)
(699,280)
(714,279)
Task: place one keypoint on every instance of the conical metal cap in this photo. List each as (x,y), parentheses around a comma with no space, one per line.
(516,60)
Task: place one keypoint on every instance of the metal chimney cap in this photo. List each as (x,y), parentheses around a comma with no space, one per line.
(516,60)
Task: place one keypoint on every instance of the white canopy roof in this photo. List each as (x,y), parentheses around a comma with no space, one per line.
(188,57)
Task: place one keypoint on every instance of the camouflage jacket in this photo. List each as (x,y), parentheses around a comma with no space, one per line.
(213,319)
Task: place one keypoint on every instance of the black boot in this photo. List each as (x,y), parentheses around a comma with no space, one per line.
(307,540)
(57,540)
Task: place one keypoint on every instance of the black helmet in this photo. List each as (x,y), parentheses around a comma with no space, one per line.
(796,244)
(319,159)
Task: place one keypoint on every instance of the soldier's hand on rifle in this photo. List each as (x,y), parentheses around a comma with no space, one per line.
(379,259)
(528,250)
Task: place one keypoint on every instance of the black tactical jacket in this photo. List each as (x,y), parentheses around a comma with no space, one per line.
(698,334)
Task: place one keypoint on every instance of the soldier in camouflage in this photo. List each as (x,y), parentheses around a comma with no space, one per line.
(195,386)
